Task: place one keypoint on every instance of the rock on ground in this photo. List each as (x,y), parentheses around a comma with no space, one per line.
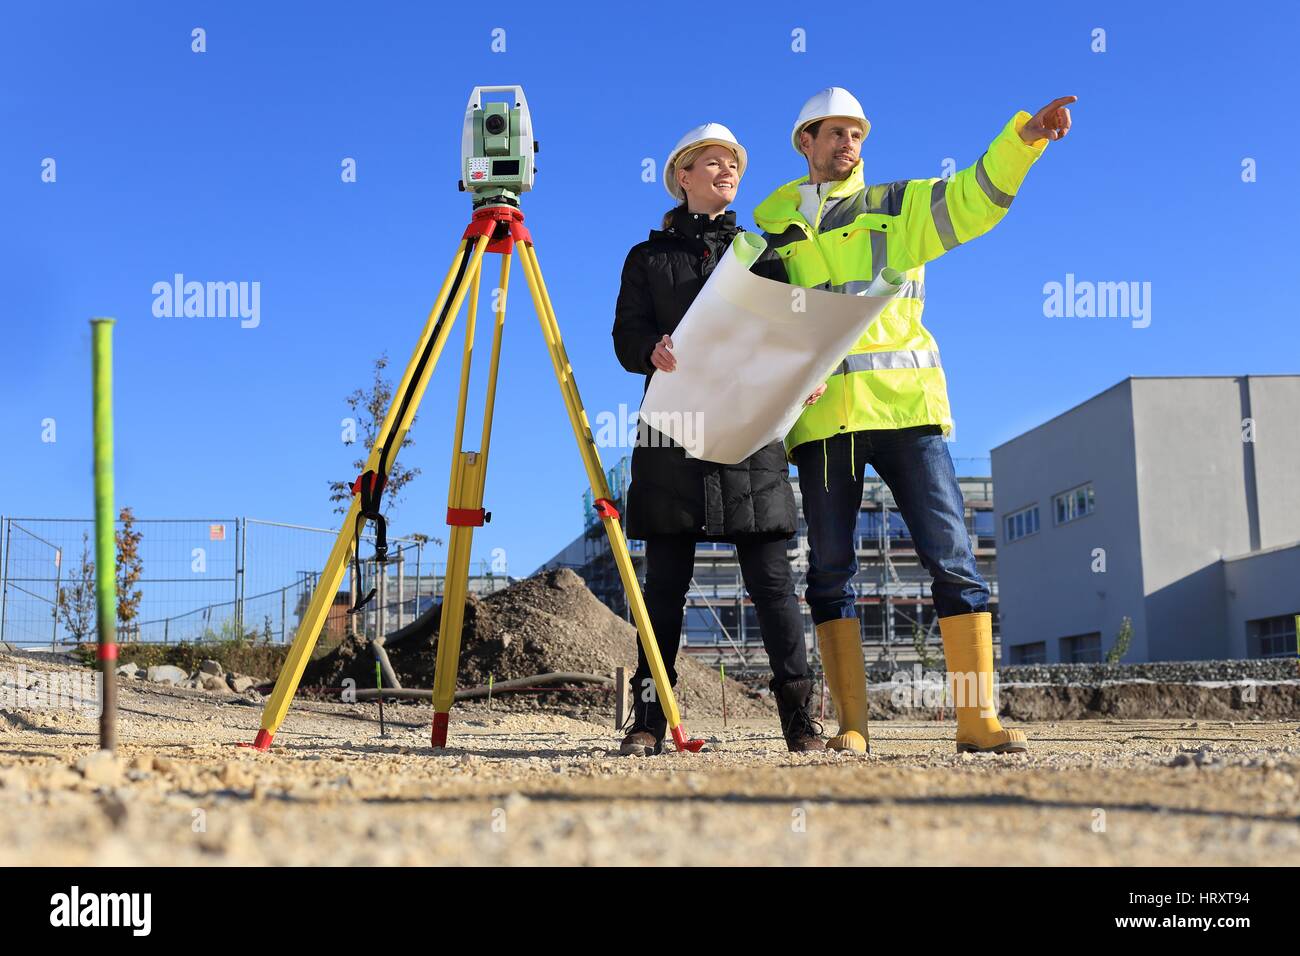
(167,673)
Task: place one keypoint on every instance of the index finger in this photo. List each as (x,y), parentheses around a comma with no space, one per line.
(1059,101)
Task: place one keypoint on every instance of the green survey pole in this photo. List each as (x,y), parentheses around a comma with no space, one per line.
(722,680)
(105,550)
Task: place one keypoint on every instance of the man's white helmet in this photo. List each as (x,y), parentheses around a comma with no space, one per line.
(709,134)
(832,101)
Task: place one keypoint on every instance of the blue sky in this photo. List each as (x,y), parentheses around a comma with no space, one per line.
(225,166)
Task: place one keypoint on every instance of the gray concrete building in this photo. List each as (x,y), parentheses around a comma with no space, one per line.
(1173,502)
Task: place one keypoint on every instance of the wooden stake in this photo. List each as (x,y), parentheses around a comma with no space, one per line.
(105,540)
(722,677)
(620,697)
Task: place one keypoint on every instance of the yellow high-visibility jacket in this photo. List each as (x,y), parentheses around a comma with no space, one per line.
(891,378)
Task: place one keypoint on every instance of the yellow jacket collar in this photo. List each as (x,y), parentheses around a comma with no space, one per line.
(782,207)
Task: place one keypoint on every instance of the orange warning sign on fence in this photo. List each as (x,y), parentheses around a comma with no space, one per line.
(216,532)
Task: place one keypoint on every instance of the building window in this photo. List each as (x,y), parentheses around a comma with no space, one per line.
(1035,653)
(983,528)
(1022,523)
(1081,649)
(1273,636)
(1073,504)
(870,524)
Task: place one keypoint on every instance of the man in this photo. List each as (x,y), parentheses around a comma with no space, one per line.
(886,404)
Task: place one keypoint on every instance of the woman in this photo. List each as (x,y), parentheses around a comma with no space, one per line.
(674,501)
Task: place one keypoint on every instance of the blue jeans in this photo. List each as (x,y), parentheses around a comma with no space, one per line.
(915,464)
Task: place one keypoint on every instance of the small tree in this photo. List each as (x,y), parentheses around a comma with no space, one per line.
(75,606)
(1122,641)
(129,569)
(927,662)
(922,649)
(369,408)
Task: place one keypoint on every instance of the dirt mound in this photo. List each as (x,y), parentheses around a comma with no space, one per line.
(543,624)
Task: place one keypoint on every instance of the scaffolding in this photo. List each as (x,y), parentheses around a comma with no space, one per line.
(893,600)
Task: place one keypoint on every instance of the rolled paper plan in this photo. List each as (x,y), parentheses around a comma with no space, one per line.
(749,351)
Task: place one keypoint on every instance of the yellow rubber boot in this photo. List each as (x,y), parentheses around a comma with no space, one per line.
(846,676)
(968,652)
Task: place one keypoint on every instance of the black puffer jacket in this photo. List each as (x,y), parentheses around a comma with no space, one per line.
(671,493)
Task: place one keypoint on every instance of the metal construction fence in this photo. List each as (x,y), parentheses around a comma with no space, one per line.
(208,579)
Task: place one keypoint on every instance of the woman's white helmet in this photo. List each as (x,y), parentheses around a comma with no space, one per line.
(832,101)
(708,134)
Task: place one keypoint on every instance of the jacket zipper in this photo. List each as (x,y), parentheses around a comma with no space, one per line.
(821,204)
(844,380)
(811,232)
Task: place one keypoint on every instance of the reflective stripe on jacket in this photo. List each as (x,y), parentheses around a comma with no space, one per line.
(892,377)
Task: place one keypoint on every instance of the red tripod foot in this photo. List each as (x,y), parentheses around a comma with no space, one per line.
(683,744)
(440,729)
(262,742)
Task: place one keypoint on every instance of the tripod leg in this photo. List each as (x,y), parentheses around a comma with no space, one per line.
(596,476)
(395,425)
(464,511)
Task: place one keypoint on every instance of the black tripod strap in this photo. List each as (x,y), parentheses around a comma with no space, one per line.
(370,485)
(408,395)
(356,568)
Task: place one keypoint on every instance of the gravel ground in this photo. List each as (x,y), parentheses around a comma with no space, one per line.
(531,788)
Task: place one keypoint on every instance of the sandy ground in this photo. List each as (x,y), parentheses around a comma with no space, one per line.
(546,788)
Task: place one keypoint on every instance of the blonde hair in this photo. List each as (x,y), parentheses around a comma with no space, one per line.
(685,161)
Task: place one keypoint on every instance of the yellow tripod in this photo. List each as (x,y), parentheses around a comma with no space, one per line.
(498,229)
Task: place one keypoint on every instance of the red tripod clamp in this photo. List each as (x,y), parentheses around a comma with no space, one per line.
(504,224)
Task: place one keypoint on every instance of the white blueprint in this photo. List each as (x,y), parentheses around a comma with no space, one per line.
(749,351)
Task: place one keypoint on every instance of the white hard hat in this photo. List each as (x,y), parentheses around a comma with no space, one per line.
(708,134)
(832,101)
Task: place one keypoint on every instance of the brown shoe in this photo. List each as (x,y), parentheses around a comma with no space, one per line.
(640,743)
(649,727)
(802,733)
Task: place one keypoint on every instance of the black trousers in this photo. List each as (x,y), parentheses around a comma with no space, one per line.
(670,562)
